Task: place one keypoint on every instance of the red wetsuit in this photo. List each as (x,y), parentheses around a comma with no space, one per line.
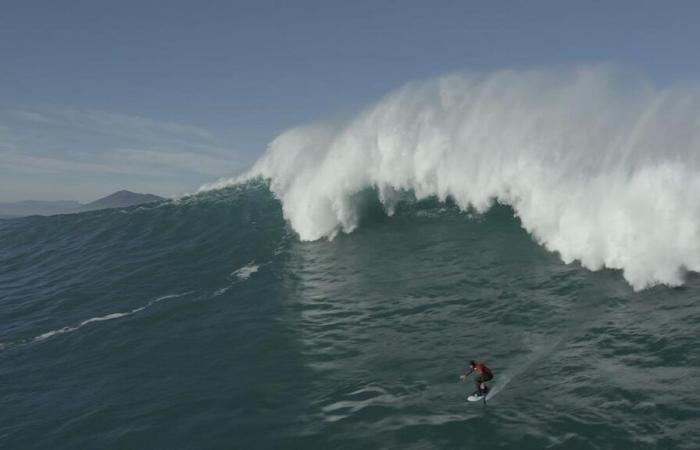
(483,372)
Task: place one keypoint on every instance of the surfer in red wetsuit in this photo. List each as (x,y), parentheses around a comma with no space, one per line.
(484,375)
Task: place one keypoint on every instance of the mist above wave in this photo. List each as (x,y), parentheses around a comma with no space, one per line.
(599,165)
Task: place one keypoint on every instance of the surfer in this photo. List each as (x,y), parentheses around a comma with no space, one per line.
(484,375)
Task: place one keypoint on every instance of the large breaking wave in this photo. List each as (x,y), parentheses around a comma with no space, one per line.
(599,165)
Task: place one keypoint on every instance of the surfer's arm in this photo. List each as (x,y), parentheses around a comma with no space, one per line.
(465,375)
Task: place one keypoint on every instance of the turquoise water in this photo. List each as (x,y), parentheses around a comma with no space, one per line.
(206,323)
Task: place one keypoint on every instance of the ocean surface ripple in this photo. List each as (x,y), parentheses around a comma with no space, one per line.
(207,323)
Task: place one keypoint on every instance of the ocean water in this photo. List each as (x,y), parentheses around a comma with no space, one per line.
(207,323)
(544,221)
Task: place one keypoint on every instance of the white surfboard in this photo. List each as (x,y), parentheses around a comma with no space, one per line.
(475,398)
(478,397)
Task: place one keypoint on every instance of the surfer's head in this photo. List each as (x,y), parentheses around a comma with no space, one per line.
(472,363)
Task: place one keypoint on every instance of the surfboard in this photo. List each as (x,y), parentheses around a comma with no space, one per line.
(476,398)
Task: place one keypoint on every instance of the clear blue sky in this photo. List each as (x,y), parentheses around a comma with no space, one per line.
(101,95)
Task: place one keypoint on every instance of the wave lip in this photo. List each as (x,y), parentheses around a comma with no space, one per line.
(599,165)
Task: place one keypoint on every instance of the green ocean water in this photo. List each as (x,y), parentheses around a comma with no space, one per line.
(206,323)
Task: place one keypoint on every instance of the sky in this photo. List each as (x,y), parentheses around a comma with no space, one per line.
(164,96)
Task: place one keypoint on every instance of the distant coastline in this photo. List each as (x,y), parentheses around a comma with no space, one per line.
(119,199)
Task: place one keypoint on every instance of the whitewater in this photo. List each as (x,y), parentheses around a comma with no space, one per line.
(598,164)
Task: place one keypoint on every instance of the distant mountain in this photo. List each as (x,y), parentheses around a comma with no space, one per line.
(119,199)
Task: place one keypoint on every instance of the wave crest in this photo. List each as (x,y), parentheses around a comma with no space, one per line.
(599,165)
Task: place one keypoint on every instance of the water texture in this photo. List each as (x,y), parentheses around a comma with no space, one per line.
(207,323)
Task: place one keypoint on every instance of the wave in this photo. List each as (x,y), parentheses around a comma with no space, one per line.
(598,164)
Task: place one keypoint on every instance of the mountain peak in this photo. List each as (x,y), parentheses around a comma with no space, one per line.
(121,199)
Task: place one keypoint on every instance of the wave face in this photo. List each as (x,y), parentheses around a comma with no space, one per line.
(112,264)
(205,323)
(599,165)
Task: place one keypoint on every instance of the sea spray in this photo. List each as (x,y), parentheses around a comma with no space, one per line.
(598,164)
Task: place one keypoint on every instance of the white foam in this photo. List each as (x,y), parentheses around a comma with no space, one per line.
(598,164)
(246,271)
(239,275)
(112,316)
(222,290)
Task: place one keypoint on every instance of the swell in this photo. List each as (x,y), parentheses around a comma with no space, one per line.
(598,164)
(59,274)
